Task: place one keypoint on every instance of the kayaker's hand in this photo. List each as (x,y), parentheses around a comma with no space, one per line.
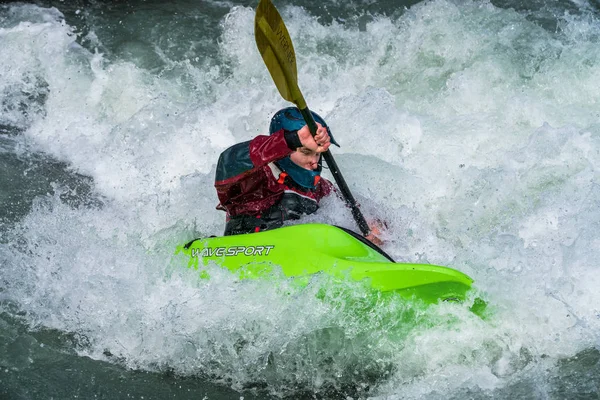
(374,236)
(320,143)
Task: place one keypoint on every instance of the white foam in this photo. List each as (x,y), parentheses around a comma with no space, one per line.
(471,130)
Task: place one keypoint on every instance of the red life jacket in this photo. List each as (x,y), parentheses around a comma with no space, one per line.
(257,195)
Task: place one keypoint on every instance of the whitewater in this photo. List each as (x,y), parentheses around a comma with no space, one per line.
(472,128)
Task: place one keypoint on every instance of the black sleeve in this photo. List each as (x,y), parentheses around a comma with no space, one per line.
(292,139)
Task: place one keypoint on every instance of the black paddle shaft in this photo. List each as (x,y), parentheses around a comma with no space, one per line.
(337,175)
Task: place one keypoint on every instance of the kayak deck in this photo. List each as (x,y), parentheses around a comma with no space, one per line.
(306,249)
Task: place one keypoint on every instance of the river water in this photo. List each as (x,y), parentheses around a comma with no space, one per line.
(471,127)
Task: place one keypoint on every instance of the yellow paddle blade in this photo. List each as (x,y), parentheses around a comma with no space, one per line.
(275,47)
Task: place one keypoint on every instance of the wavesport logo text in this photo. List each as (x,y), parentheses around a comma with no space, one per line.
(232,251)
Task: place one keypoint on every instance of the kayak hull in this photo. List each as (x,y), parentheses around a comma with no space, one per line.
(307,249)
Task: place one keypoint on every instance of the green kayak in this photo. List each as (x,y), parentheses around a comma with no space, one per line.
(303,250)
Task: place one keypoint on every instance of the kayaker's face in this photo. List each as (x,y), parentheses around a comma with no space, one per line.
(306,158)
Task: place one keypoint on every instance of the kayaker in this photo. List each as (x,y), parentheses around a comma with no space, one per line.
(271,179)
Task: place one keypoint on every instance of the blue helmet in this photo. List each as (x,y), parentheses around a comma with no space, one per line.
(291,119)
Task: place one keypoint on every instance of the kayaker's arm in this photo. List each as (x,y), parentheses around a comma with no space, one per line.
(242,158)
(326,188)
(239,168)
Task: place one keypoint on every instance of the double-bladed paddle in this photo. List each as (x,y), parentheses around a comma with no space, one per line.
(275,46)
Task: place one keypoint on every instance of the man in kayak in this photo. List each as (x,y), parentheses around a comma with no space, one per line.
(271,179)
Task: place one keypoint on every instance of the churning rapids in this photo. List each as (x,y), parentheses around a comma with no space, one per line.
(471,127)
